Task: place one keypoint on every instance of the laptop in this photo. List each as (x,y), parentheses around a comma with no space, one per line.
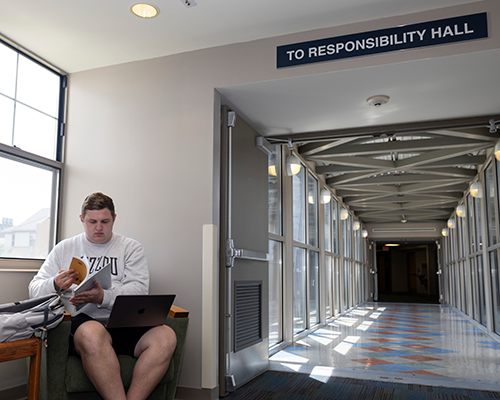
(131,311)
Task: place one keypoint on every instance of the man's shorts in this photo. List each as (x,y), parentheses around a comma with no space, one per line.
(124,339)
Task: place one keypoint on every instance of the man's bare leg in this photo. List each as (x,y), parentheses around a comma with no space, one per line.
(153,352)
(93,343)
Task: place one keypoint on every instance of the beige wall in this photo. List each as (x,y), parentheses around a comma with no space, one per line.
(143,132)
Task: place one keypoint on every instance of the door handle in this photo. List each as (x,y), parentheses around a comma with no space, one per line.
(232,253)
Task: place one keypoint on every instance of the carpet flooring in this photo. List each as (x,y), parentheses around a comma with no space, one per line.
(275,385)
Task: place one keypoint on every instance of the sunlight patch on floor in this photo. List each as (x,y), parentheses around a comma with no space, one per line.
(365,325)
(343,348)
(321,374)
(347,321)
(321,340)
(359,312)
(290,357)
(293,367)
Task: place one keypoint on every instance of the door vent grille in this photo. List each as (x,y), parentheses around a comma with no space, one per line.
(247,314)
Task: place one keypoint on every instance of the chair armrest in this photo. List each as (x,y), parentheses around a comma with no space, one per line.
(177,312)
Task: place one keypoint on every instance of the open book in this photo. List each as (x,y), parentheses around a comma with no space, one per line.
(85,281)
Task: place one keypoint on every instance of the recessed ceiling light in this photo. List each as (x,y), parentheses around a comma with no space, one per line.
(144,10)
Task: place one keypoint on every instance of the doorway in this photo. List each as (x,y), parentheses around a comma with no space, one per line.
(407,272)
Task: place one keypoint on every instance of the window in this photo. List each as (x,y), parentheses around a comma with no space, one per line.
(31,100)
(335,225)
(274,182)
(299,207)
(479,233)
(299,290)
(29,104)
(489,184)
(275,248)
(313,288)
(313,210)
(328,225)
(329,287)
(471,227)
(275,293)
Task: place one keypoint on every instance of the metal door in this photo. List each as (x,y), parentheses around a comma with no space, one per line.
(244,339)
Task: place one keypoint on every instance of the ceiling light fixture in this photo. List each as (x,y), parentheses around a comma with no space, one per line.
(326,196)
(292,165)
(403,220)
(497,151)
(378,100)
(292,162)
(476,190)
(144,10)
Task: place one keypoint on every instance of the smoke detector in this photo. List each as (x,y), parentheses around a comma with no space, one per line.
(377,101)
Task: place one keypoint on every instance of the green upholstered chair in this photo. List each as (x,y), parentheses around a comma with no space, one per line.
(63,377)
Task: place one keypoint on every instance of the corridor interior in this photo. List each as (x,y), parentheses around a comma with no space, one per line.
(398,342)
(403,336)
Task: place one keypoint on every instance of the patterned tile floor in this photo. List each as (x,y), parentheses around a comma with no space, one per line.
(410,342)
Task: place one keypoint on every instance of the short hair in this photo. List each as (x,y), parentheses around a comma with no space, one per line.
(98,201)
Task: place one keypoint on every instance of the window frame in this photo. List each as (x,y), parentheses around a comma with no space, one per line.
(55,165)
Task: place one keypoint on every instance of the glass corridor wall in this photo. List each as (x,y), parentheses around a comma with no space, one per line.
(470,278)
(318,268)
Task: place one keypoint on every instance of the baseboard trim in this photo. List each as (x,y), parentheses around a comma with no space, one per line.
(188,393)
(14,393)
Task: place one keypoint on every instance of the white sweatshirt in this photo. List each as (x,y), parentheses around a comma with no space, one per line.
(129,270)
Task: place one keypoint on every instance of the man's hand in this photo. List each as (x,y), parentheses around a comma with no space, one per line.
(94,295)
(64,278)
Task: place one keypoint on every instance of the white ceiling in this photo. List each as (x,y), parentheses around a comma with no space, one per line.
(424,90)
(80,35)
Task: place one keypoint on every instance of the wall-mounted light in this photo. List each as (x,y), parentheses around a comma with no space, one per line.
(461,210)
(476,190)
(497,151)
(292,165)
(144,10)
(344,213)
(444,232)
(365,233)
(451,223)
(272,170)
(326,196)
(356,225)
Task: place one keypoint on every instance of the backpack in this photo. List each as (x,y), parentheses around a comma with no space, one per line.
(28,318)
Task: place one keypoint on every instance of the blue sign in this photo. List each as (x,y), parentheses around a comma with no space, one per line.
(443,31)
